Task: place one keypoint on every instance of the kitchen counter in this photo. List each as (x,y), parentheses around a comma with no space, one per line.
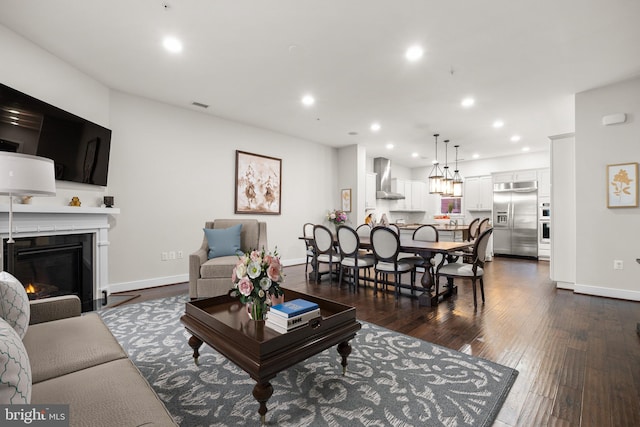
(446,230)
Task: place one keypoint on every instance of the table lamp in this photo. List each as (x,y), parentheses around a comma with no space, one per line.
(24,175)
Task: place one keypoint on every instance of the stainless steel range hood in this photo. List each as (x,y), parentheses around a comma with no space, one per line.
(382,168)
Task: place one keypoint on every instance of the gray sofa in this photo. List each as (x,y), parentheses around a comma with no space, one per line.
(212,277)
(75,360)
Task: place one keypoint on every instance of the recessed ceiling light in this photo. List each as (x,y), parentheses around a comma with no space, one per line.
(498,124)
(468,102)
(414,154)
(375,127)
(515,138)
(525,149)
(414,53)
(476,155)
(172,44)
(389,146)
(308,100)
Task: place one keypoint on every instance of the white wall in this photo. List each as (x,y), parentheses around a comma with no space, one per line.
(171,169)
(603,234)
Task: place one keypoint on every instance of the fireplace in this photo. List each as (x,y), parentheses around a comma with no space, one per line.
(56,265)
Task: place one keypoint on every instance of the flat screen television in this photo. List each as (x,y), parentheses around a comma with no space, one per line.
(79,148)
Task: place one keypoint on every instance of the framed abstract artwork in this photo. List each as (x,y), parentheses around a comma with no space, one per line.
(346,199)
(258,184)
(622,185)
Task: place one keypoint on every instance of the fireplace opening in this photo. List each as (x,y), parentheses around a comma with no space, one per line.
(49,266)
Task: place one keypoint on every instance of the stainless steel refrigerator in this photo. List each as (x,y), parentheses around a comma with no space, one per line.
(515,219)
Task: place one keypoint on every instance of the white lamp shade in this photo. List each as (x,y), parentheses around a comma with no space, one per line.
(25,175)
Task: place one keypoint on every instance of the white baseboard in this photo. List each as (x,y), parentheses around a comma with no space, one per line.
(147,283)
(607,292)
(293,261)
(170,280)
(565,285)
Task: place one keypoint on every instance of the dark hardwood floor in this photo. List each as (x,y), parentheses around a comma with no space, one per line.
(578,356)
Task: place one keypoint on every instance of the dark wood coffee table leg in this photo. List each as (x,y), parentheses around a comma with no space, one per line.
(344,348)
(195,344)
(262,393)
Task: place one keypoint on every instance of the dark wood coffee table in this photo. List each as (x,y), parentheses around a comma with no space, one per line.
(223,323)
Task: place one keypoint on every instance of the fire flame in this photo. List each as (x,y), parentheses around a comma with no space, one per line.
(30,289)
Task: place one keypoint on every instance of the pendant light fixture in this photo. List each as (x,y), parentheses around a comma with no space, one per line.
(457,180)
(435,177)
(447,180)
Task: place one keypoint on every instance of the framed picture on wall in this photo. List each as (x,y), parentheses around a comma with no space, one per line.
(258,184)
(346,199)
(622,185)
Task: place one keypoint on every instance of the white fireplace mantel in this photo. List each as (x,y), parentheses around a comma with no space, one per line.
(36,220)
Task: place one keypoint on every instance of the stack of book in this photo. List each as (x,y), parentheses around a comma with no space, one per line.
(291,315)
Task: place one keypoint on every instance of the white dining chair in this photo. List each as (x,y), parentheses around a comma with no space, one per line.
(351,258)
(473,271)
(324,249)
(386,247)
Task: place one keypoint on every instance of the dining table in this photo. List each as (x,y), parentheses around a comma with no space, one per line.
(431,292)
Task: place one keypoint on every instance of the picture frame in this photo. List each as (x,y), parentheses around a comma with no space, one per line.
(258,184)
(622,185)
(345,196)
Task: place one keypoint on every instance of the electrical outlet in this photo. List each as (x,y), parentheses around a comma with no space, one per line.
(180,255)
(172,255)
(617,264)
(164,256)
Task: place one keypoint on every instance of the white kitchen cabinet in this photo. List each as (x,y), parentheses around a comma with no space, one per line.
(478,193)
(544,183)
(418,193)
(527,175)
(399,186)
(370,191)
(502,177)
(414,196)
(515,176)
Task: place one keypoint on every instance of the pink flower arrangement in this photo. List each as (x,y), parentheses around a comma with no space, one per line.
(337,216)
(257,278)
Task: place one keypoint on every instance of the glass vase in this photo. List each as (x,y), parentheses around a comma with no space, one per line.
(257,310)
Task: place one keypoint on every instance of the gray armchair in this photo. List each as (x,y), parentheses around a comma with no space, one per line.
(212,277)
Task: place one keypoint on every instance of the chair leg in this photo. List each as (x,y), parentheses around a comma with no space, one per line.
(396,291)
(482,289)
(356,279)
(475,302)
(340,276)
(375,283)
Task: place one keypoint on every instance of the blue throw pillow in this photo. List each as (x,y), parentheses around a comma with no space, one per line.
(223,241)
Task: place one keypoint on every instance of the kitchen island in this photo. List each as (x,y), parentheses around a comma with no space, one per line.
(446,232)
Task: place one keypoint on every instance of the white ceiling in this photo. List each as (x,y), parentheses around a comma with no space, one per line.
(252,60)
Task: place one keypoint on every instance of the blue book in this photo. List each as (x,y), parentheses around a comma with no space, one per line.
(293,308)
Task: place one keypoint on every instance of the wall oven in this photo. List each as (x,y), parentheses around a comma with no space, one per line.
(544,231)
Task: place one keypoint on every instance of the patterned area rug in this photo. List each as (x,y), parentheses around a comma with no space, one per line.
(391,380)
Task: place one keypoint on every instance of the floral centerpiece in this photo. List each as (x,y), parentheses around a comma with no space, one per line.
(337,217)
(256,281)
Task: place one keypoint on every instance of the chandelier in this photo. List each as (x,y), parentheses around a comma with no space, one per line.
(447,180)
(435,177)
(457,179)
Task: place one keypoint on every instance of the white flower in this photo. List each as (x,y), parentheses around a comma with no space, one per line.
(265,283)
(261,293)
(241,270)
(254,269)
